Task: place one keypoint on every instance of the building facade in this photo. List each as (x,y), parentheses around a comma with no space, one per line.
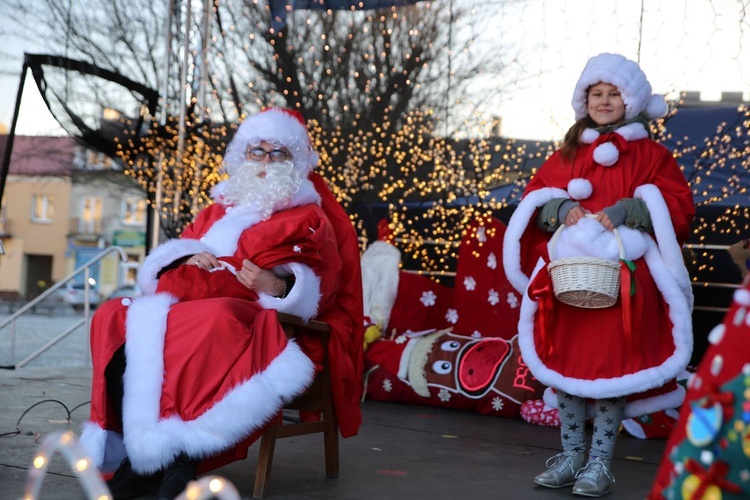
(62,205)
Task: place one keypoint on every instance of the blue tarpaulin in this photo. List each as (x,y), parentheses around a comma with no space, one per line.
(280,8)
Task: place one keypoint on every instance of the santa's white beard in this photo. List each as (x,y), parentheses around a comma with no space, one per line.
(247,189)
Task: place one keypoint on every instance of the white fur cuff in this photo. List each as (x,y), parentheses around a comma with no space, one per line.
(304,297)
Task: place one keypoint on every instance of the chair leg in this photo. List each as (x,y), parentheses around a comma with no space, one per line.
(331,445)
(265,460)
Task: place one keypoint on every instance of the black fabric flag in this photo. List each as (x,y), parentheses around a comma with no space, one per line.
(95,105)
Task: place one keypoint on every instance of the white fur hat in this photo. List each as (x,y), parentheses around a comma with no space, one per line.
(281,127)
(628,77)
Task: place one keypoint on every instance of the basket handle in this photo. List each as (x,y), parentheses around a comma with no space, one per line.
(553,241)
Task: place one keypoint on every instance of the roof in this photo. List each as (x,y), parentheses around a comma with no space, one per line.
(40,155)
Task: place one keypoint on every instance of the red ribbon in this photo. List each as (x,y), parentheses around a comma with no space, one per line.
(540,290)
(625,285)
(713,475)
(724,399)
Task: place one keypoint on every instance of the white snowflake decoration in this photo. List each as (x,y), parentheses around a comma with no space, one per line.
(512,300)
(492,261)
(401,339)
(387,385)
(444,395)
(477,334)
(497,403)
(481,234)
(493,297)
(470,283)
(297,249)
(451,316)
(428,298)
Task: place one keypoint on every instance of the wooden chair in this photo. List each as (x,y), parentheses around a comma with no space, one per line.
(317,398)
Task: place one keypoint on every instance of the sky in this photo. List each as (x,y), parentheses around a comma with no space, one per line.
(681,45)
(684,45)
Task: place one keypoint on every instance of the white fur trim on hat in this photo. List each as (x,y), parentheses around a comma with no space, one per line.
(606,154)
(656,107)
(279,127)
(580,189)
(628,77)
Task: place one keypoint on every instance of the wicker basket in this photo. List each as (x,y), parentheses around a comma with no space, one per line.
(587,282)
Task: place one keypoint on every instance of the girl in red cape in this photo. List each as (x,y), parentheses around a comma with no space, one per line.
(620,361)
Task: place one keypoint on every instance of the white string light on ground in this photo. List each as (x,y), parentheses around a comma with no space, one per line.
(90,478)
(67,444)
(210,487)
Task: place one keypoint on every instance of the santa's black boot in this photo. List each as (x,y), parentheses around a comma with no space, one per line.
(176,477)
(126,483)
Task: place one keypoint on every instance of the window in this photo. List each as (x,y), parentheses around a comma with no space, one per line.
(42,208)
(134,211)
(91,215)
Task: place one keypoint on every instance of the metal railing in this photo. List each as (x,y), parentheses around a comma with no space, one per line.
(711,284)
(86,320)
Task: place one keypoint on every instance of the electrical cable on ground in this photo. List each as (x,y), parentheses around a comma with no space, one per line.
(18,423)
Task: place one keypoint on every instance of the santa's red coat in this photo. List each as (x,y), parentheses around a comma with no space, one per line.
(208,365)
(590,352)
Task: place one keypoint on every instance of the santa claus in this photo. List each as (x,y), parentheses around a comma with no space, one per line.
(187,376)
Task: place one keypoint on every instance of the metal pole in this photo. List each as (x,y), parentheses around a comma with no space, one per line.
(156,206)
(87,314)
(183,100)
(12,134)
(201,94)
(205,43)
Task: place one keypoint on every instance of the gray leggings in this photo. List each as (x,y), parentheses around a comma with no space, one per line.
(607,417)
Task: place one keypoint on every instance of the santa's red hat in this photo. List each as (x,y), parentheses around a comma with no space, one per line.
(281,127)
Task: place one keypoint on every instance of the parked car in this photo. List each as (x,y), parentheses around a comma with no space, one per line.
(128,290)
(73,294)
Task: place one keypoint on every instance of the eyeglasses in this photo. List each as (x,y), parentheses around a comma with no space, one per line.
(259,154)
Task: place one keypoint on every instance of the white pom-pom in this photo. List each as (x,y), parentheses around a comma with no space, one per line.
(580,189)
(742,297)
(606,154)
(717,334)
(656,107)
(589,135)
